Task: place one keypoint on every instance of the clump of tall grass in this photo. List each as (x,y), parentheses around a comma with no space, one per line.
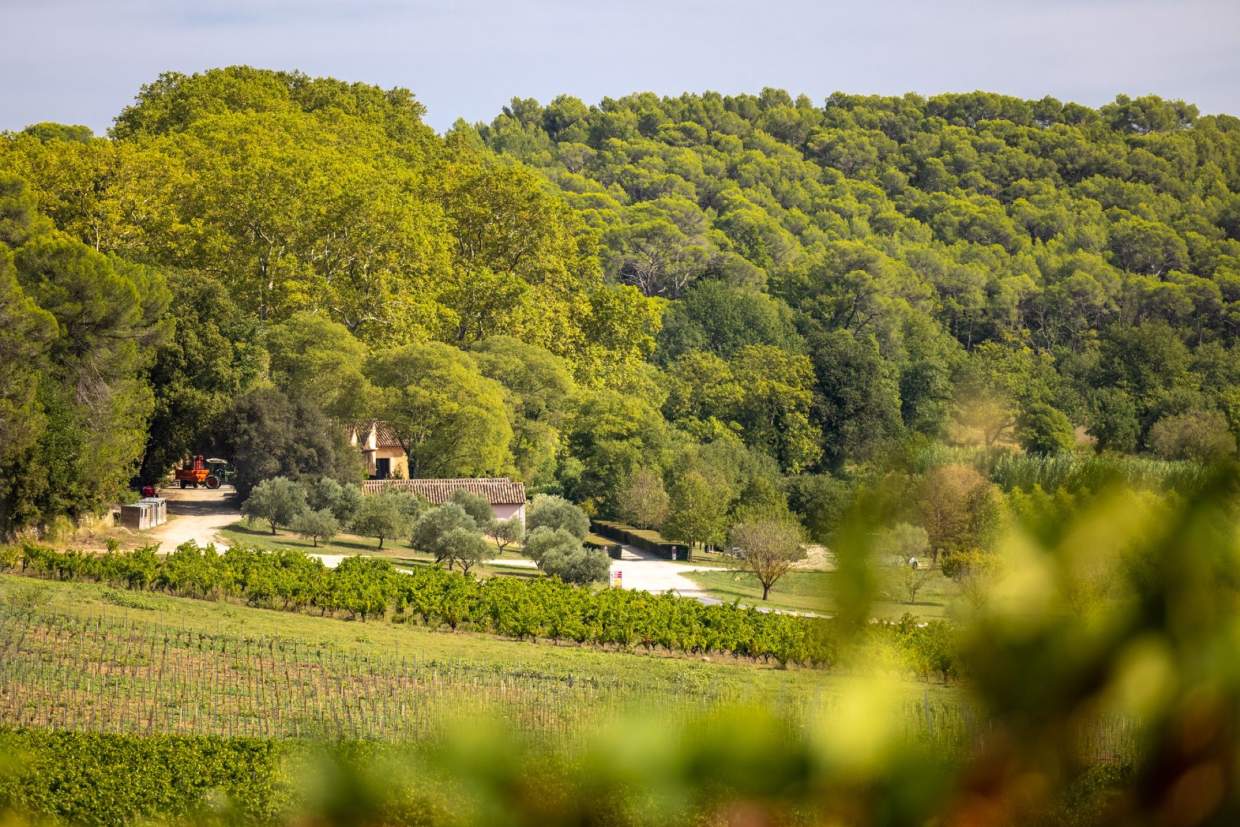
(1072,472)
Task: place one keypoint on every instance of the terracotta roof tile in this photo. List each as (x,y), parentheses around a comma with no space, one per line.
(498,491)
(385,437)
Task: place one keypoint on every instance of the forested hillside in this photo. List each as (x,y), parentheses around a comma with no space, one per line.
(677,311)
(957,260)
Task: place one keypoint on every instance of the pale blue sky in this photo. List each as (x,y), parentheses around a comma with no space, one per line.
(80,61)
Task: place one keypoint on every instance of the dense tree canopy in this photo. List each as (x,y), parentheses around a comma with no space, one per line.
(712,307)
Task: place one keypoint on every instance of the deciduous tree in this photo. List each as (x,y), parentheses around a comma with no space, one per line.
(767,549)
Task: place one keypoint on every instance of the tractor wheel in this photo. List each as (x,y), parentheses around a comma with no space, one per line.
(184,484)
(213,482)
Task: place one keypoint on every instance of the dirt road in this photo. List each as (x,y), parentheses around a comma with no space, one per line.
(195,514)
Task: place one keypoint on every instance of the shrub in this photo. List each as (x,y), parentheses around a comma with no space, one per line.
(579,566)
(560,554)
(1203,436)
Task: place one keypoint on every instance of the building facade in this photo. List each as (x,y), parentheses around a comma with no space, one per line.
(385,456)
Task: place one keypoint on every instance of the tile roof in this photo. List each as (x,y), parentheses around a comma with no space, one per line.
(385,437)
(498,491)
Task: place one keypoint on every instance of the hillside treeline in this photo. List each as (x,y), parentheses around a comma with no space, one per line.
(670,310)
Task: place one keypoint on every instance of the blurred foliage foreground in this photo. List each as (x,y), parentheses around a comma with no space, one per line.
(1126,611)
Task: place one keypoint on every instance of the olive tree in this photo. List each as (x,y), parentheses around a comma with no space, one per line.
(560,554)
(278,501)
(551,511)
(476,506)
(506,532)
(463,546)
(433,527)
(316,525)
(383,515)
(341,500)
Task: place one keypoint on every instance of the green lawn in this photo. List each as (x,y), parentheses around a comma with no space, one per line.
(811,591)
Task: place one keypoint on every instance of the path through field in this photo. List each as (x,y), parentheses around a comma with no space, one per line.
(196,514)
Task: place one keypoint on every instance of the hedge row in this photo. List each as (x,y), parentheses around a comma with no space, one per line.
(630,536)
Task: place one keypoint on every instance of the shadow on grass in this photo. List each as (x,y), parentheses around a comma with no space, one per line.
(776,600)
(501,571)
(265,537)
(399,555)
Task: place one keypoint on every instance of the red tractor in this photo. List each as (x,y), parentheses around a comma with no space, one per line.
(196,473)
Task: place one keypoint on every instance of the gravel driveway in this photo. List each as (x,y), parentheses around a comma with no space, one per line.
(645,572)
(195,514)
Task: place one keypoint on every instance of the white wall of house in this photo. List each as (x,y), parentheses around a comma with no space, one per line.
(507,512)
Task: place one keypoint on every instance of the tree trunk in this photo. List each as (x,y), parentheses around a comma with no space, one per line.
(766,589)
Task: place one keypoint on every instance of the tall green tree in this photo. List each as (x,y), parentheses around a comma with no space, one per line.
(448,417)
(213,354)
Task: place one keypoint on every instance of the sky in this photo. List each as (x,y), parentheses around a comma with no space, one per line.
(81,61)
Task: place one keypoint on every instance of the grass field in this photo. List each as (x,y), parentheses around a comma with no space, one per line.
(811,591)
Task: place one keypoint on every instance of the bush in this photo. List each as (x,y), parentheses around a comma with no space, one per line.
(1202,436)
(560,554)
(579,565)
(551,511)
